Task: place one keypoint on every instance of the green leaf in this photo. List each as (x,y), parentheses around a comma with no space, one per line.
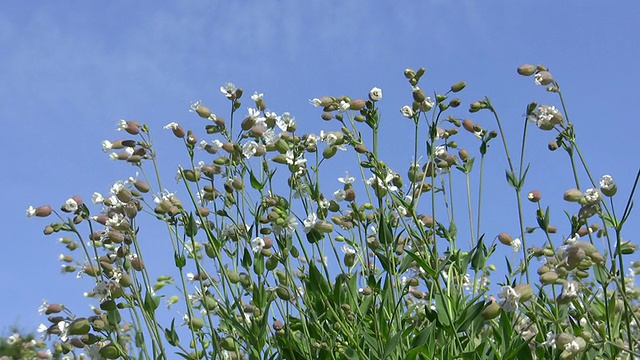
(386,237)
(314,236)
(151,303)
(171,335)
(254,181)
(390,346)
(317,282)
(258,264)
(246,259)
(479,259)
(351,354)
(113,317)
(423,265)
(511,179)
(190,226)
(471,313)
(179,260)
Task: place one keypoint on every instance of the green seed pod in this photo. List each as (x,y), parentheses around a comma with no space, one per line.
(109,351)
(89,339)
(228,344)
(271,263)
(195,324)
(329,151)
(458,86)
(79,326)
(283,293)
(491,311)
(549,278)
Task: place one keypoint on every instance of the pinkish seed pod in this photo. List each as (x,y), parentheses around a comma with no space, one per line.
(534,196)
(505,238)
(357,104)
(468,125)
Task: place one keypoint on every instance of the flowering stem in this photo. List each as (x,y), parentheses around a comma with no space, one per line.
(518,189)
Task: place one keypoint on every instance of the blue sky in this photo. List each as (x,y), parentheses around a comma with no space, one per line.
(70,70)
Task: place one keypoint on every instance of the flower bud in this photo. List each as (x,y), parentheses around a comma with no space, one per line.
(553,145)
(572,195)
(458,86)
(475,106)
(526,70)
(409,73)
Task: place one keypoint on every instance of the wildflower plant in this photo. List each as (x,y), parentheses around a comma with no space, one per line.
(267,262)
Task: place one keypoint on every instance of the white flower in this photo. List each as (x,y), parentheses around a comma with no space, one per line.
(121,125)
(569,289)
(315,102)
(375,94)
(407,111)
(572,347)
(229,90)
(289,226)
(117,187)
(551,340)
(339,195)
(255,115)
(256,96)
(429,102)
(171,126)
(546,117)
(592,195)
(285,121)
(517,244)
(64,328)
(606,182)
(270,137)
(249,149)
(344,106)
(31,211)
(97,198)
(309,222)
(190,277)
(13,339)
(106,145)
(42,328)
(348,250)
(346,179)
(43,308)
(440,151)
(70,205)
(115,220)
(257,244)
(509,298)
(101,291)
